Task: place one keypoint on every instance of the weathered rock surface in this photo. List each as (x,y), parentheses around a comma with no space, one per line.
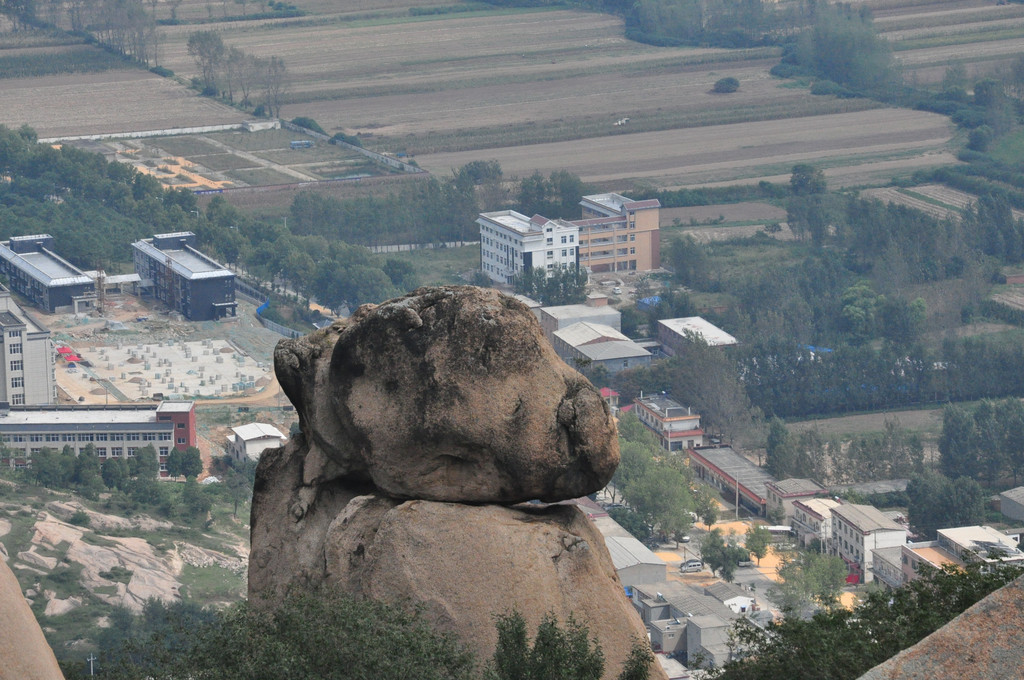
(422,420)
(24,653)
(448,394)
(983,642)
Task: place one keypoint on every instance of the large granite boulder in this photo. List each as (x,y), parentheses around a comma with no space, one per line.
(24,652)
(422,420)
(447,394)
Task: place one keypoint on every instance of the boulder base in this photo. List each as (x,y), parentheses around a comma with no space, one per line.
(24,652)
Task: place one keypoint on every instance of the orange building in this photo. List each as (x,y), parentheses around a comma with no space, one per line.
(618,234)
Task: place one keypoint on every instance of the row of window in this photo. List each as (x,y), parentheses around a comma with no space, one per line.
(113,452)
(90,437)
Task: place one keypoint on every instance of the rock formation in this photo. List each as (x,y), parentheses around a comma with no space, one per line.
(425,420)
(983,642)
(24,652)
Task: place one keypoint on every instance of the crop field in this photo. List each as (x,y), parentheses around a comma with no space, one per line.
(107,102)
(937,200)
(724,152)
(236,159)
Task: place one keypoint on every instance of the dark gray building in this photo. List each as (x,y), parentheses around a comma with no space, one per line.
(183,278)
(47,280)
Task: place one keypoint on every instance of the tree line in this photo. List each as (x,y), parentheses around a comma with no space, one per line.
(328,634)
(229,72)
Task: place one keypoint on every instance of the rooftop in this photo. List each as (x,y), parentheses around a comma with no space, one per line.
(53,417)
(737,468)
(45,267)
(684,599)
(187,262)
(1016,495)
(723,591)
(583,332)
(575,311)
(618,203)
(612,349)
(865,518)
(664,405)
(932,553)
(711,334)
(251,431)
(796,486)
(981,540)
(629,552)
(822,507)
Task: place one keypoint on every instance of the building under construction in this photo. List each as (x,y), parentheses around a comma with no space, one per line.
(42,276)
(186,280)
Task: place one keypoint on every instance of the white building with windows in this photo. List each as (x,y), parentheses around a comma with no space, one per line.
(27,371)
(248,441)
(511,242)
(114,431)
(857,531)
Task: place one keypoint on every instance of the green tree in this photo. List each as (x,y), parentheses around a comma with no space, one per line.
(705,504)
(207,48)
(841,644)
(936,502)
(324,634)
(192,462)
(557,652)
(757,541)
(194,499)
(781,457)
(806,180)
(721,554)
(662,498)
(115,473)
(631,522)
(807,580)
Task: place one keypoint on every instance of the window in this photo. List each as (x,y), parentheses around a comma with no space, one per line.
(35,451)
(564,239)
(101,437)
(35,437)
(15,348)
(165,451)
(132,436)
(164,437)
(181,440)
(181,426)
(572,251)
(632,237)
(632,251)
(17,437)
(83,437)
(14,334)
(17,382)
(572,238)
(550,241)
(564,252)
(116,452)
(163,467)
(101,451)
(149,436)
(53,437)
(17,365)
(117,437)
(132,450)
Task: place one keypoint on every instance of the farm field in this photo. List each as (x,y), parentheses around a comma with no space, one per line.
(935,199)
(108,102)
(724,152)
(223,160)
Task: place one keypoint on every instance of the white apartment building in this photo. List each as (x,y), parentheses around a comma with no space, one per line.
(857,530)
(812,520)
(27,367)
(248,441)
(511,242)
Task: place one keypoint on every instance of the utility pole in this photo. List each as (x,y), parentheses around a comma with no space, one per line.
(92,657)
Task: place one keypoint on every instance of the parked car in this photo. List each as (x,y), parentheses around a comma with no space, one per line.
(746,562)
(616,290)
(684,539)
(691,566)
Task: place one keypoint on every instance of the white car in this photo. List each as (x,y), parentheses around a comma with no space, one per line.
(690,566)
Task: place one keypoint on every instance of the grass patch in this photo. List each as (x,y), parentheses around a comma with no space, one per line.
(946,40)
(440,266)
(183,145)
(219,162)
(927,199)
(1009,148)
(261,177)
(211,584)
(64,61)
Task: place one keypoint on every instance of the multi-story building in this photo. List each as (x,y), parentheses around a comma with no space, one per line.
(857,530)
(114,431)
(980,544)
(511,243)
(812,520)
(783,493)
(46,279)
(618,234)
(183,278)
(26,357)
(676,426)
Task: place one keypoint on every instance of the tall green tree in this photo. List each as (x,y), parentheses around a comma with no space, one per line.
(808,580)
(758,540)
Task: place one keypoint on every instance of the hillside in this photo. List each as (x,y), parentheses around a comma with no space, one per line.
(78,561)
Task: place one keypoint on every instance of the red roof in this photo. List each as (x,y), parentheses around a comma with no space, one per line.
(608,392)
(65,350)
(627,409)
(685,433)
(72,357)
